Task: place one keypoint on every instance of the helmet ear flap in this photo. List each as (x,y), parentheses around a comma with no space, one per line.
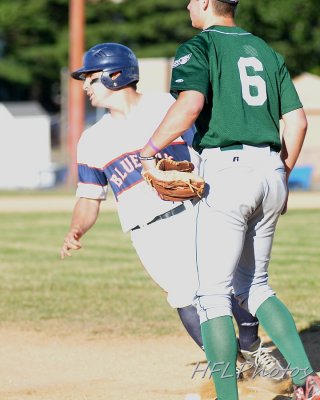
(106,79)
(125,77)
(108,82)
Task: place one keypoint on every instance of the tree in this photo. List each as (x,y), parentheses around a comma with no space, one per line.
(33,34)
(150,28)
(291,27)
(34,39)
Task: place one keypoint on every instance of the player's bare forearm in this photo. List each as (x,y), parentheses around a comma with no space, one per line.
(180,117)
(84,216)
(295,128)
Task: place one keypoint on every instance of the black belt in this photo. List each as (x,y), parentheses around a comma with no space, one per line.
(240,147)
(167,214)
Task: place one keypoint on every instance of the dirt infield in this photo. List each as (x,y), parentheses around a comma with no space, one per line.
(74,366)
(45,203)
(21,203)
(38,366)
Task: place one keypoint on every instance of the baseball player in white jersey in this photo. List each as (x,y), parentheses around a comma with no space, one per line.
(108,156)
(114,163)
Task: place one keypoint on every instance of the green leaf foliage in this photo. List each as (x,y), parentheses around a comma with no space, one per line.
(290,27)
(34,36)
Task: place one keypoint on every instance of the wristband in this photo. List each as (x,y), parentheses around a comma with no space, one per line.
(153,146)
(146,158)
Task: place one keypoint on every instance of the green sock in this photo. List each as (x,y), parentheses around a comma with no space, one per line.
(278,323)
(220,344)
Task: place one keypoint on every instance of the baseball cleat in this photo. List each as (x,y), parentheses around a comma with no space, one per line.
(260,362)
(311,390)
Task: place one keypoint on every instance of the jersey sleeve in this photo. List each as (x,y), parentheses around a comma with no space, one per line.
(92,183)
(190,70)
(289,97)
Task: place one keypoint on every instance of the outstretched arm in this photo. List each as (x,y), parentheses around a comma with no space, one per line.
(84,216)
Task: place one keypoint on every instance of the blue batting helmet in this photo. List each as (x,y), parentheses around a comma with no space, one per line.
(110,58)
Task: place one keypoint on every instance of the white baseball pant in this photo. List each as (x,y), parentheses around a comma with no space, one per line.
(166,249)
(235,227)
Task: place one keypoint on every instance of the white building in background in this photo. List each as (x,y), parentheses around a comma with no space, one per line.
(155,74)
(25,146)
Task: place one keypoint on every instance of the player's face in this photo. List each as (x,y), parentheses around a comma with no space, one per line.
(95,89)
(194,8)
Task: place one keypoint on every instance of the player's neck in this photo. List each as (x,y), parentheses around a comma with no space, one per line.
(219,21)
(126,101)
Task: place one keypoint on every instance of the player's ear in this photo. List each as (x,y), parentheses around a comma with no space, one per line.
(205,4)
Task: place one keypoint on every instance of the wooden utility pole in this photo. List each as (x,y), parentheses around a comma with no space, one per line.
(76,103)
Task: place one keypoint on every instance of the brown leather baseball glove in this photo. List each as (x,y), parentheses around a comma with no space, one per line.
(167,164)
(174,180)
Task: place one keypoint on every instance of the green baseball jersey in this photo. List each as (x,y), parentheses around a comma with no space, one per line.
(246,85)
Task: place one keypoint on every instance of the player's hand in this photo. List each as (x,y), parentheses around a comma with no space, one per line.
(148,164)
(71,242)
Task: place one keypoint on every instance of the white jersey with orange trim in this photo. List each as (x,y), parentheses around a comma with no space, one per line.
(108,157)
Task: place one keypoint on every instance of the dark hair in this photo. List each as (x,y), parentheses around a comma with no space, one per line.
(224,9)
(133,85)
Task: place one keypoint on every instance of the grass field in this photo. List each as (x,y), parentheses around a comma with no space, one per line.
(104,289)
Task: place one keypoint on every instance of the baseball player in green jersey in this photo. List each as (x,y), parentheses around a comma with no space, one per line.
(236,89)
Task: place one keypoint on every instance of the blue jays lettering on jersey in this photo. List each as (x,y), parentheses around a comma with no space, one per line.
(108,157)
(125,171)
